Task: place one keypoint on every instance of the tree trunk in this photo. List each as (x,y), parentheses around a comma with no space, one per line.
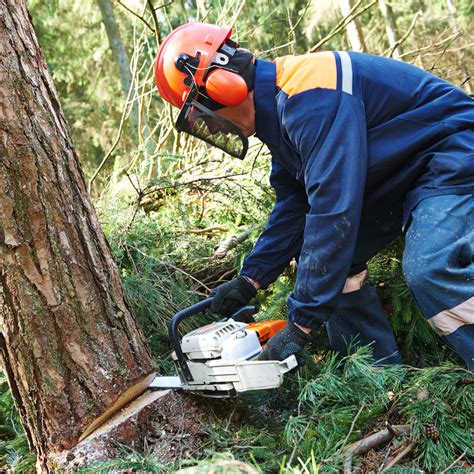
(354,28)
(390,27)
(69,345)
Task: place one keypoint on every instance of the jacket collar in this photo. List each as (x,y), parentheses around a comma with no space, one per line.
(266,114)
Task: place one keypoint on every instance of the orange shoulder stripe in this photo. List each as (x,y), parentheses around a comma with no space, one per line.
(295,74)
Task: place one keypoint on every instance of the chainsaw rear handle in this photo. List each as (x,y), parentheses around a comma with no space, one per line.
(187,313)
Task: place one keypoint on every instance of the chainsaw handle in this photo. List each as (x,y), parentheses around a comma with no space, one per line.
(173,332)
(244,314)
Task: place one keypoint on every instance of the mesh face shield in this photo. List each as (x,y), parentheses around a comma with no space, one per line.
(201,122)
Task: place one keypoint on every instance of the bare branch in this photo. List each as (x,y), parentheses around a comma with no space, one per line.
(157,29)
(407,34)
(353,425)
(134,13)
(342,25)
(431,46)
(454,463)
(399,456)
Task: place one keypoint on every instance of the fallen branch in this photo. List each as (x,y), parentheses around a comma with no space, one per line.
(222,249)
(454,463)
(400,456)
(206,231)
(353,424)
(372,441)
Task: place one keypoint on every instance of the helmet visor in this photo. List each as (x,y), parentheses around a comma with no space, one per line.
(201,122)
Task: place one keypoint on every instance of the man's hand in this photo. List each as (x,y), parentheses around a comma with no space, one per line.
(290,340)
(231,296)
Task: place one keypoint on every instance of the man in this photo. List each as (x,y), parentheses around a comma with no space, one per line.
(362,147)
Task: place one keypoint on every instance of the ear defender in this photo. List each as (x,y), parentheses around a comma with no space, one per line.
(226,88)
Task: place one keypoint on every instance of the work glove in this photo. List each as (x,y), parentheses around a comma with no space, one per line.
(291,340)
(231,296)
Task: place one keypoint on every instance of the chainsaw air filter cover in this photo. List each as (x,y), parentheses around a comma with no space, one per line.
(228,340)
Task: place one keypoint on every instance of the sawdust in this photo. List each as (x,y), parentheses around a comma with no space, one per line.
(372,461)
(179,428)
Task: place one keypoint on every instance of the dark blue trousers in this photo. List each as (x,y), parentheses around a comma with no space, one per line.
(438,264)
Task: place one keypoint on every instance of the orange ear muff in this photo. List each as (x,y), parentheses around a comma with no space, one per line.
(226,87)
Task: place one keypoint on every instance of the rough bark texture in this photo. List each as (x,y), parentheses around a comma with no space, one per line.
(354,28)
(69,345)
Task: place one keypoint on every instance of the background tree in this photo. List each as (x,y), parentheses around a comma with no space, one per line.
(354,28)
(138,121)
(390,26)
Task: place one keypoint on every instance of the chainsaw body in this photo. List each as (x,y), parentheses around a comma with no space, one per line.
(218,360)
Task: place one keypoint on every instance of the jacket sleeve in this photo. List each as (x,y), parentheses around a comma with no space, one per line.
(329,131)
(283,236)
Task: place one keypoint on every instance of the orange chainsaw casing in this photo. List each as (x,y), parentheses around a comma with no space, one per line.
(266,329)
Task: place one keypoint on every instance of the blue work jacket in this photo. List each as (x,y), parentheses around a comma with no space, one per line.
(356,141)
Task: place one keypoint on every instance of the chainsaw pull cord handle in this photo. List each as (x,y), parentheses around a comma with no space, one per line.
(173,332)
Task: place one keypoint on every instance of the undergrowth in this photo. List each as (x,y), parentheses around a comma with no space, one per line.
(304,426)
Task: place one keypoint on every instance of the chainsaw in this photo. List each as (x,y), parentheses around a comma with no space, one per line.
(219,359)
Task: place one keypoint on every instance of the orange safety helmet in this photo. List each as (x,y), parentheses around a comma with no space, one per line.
(190,54)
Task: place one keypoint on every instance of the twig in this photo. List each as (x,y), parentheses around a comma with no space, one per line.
(454,463)
(369,442)
(237,13)
(171,266)
(407,34)
(180,270)
(382,464)
(353,425)
(226,274)
(134,13)
(114,145)
(303,14)
(295,447)
(342,25)
(441,55)
(157,29)
(155,189)
(431,46)
(400,456)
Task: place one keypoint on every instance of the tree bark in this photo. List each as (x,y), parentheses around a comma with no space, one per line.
(390,27)
(354,28)
(69,345)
